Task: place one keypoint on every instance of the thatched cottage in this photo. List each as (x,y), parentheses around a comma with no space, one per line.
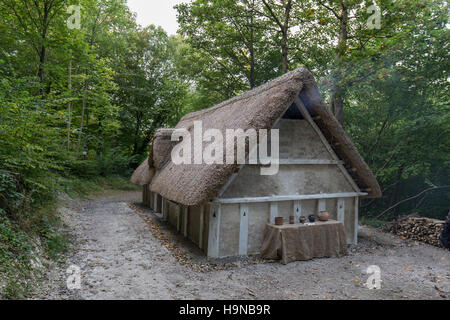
(223,208)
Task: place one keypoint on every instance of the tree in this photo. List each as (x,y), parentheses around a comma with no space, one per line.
(36,20)
(230,40)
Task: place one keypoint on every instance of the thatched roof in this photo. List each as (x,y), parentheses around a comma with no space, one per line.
(257,109)
(143,174)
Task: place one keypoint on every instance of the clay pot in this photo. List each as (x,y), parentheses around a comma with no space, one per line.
(312,218)
(279,221)
(302,219)
(291,219)
(324,216)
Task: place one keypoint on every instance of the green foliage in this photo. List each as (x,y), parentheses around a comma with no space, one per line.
(15,255)
(399,115)
(105,88)
(393,81)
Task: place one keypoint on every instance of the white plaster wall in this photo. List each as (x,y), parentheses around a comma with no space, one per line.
(290,180)
(298,140)
(229,230)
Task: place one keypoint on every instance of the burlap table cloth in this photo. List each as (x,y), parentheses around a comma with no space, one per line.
(293,242)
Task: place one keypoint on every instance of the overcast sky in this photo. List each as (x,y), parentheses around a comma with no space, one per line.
(157,12)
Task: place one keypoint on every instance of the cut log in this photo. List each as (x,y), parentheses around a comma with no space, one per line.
(421,229)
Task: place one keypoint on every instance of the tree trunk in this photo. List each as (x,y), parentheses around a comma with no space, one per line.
(337,102)
(284,53)
(397,185)
(284,40)
(86,143)
(82,116)
(252,49)
(41,66)
(43,49)
(136,134)
(337,94)
(283,24)
(69,122)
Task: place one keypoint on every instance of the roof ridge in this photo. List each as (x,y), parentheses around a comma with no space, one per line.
(297,73)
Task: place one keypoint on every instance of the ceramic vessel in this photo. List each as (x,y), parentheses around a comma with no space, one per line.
(312,218)
(324,216)
(279,221)
(291,219)
(302,219)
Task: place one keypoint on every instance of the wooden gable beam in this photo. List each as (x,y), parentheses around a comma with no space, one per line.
(324,140)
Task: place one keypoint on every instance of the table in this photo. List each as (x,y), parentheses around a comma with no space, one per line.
(293,242)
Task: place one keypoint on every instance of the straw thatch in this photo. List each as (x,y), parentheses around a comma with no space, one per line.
(257,109)
(162,147)
(143,174)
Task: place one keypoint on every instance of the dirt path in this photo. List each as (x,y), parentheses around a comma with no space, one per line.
(121,258)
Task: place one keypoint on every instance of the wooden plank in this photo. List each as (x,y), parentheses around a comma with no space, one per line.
(178,211)
(185,220)
(150,197)
(143,194)
(290,197)
(243,230)
(324,140)
(322,205)
(297,210)
(341,210)
(355,236)
(214,230)
(273,212)
(201,231)
(164,209)
(152,200)
(155,201)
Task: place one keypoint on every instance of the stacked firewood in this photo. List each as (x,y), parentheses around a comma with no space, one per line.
(421,229)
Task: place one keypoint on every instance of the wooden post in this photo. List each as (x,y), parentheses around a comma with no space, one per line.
(341,210)
(214,230)
(185,220)
(243,230)
(150,200)
(164,208)
(297,210)
(273,212)
(143,194)
(178,218)
(202,222)
(322,205)
(355,235)
(307,116)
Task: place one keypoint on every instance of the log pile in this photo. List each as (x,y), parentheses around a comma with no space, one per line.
(420,229)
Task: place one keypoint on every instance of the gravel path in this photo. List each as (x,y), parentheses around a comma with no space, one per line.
(121,256)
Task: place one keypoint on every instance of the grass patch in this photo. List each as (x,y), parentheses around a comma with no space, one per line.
(79,188)
(373,222)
